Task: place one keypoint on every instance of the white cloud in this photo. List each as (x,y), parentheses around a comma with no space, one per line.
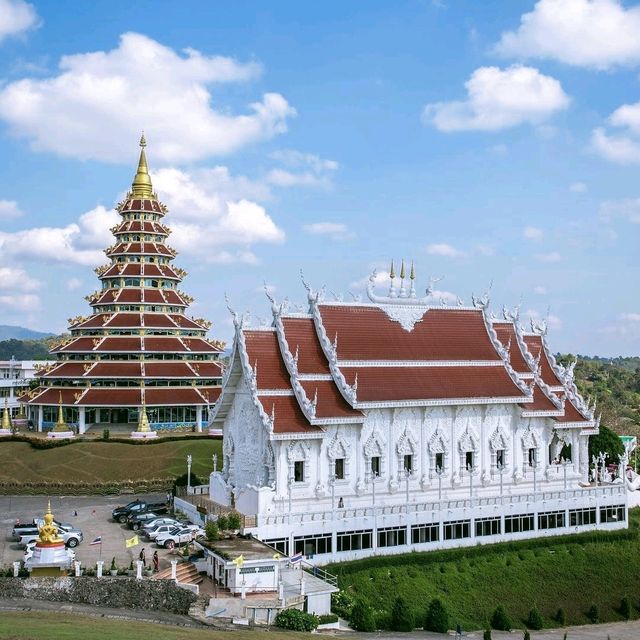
(598,34)
(553,322)
(498,99)
(141,84)
(533,233)
(317,171)
(293,158)
(333,230)
(9,209)
(498,149)
(540,290)
(631,317)
(578,187)
(485,250)
(626,326)
(20,302)
(73,284)
(80,242)
(16,17)
(283,178)
(620,149)
(550,257)
(444,249)
(16,279)
(627,209)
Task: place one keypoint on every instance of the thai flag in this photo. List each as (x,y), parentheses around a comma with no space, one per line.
(98,540)
(297,557)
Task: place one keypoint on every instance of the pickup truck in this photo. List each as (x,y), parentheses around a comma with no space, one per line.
(72,537)
(120,514)
(179,536)
(21,528)
(137,521)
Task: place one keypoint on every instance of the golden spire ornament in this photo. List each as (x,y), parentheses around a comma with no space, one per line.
(141,186)
(61,426)
(6,419)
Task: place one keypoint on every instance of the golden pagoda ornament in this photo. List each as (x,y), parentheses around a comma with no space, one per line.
(50,557)
(143,432)
(61,429)
(5,426)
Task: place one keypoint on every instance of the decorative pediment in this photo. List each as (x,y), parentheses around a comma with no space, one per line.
(407,444)
(529,439)
(438,443)
(338,448)
(468,442)
(374,446)
(498,440)
(298,450)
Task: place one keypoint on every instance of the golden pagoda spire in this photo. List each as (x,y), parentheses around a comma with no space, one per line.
(6,420)
(412,276)
(141,186)
(392,271)
(61,425)
(143,422)
(402,275)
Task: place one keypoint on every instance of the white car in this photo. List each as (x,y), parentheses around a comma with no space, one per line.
(155,523)
(179,536)
(160,530)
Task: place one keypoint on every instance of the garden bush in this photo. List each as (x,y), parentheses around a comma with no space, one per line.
(362,618)
(625,608)
(526,635)
(234,520)
(534,620)
(593,614)
(296,620)
(401,616)
(437,618)
(487,634)
(561,618)
(211,530)
(500,620)
(327,618)
(223,523)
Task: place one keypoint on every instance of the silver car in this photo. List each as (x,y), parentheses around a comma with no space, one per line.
(161,529)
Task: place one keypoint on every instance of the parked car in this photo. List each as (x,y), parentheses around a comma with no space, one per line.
(21,528)
(137,521)
(152,524)
(72,537)
(120,514)
(161,529)
(178,536)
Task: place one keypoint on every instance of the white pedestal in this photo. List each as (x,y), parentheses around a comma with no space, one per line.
(5,432)
(61,435)
(144,435)
(215,433)
(99,565)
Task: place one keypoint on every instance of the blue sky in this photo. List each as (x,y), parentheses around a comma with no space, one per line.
(489,142)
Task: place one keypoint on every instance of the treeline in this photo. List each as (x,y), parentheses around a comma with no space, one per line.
(25,349)
(615,385)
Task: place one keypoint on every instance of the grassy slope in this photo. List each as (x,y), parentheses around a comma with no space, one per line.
(563,574)
(60,626)
(103,461)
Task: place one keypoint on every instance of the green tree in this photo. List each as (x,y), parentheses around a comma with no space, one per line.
(534,620)
(608,442)
(561,618)
(625,608)
(500,620)
(593,614)
(526,635)
(211,530)
(437,618)
(487,634)
(223,523)
(401,616)
(234,520)
(362,618)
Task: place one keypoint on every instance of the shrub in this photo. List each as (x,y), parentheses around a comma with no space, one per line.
(500,620)
(437,618)
(342,602)
(561,618)
(487,634)
(105,434)
(223,523)
(234,520)
(593,614)
(526,635)
(362,617)
(401,616)
(211,530)
(327,618)
(534,621)
(114,566)
(625,608)
(296,620)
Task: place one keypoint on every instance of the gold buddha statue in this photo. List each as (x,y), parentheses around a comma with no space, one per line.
(49,531)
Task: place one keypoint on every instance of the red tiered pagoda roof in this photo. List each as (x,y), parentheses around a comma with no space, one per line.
(138,333)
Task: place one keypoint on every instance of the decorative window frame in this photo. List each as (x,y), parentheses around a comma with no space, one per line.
(298,451)
(498,441)
(339,448)
(468,442)
(529,440)
(438,444)
(375,446)
(407,446)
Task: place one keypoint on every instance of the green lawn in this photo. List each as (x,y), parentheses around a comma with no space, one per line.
(42,625)
(105,461)
(549,574)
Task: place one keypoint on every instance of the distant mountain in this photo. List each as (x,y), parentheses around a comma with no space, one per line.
(8,332)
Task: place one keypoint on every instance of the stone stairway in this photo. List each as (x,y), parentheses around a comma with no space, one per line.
(186,573)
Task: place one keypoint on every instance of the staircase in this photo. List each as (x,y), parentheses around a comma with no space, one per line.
(186,573)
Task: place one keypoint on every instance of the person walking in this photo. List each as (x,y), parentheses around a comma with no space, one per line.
(156,562)
(143,558)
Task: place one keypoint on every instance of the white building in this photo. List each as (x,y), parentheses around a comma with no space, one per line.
(15,376)
(393,425)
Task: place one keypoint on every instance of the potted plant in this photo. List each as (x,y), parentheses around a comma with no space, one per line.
(131,571)
(114,568)
(148,571)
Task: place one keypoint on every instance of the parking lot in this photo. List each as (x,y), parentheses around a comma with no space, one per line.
(93,518)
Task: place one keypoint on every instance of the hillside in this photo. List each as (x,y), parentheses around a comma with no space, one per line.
(8,332)
(25,349)
(615,385)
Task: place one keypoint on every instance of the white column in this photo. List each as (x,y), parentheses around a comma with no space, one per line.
(82,427)
(76,566)
(99,566)
(174,569)
(40,416)
(199,418)
(139,565)
(16,569)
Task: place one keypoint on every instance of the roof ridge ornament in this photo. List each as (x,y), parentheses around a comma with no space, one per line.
(483,301)
(142,186)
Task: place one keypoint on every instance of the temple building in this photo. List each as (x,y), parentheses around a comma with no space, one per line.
(138,347)
(396,425)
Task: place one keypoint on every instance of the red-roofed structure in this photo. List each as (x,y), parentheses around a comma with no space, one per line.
(137,348)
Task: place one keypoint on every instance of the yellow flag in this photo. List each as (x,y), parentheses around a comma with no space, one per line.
(276,556)
(239,561)
(131,542)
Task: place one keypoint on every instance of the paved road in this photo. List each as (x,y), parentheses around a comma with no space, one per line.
(94,519)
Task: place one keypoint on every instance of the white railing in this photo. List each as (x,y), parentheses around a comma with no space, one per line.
(443,505)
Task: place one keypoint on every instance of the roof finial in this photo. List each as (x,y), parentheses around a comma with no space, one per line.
(392,276)
(142,187)
(403,291)
(412,277)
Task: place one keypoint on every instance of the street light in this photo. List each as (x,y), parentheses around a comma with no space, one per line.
(332,484)
(407,475)
(501,472)
(189,461)
(439,473)
(471,469)
(214,457)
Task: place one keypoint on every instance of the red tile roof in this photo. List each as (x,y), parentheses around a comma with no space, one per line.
(300,333)
(507,336)
(331,404)
(262,348)
(288,416)
(534,344)
(541,401)
(367,333)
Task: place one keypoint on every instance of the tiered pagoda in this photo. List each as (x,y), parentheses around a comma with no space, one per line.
(138,349)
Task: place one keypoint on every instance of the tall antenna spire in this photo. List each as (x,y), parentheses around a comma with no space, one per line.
(142,187)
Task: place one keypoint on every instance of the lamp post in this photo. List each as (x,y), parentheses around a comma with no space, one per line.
(407,475)
(189,461)
(564,462)
(501,472)
(214,457)
(439,473)
(535,478)
(471,468)
(374,476)
(332,484)
(290,486)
